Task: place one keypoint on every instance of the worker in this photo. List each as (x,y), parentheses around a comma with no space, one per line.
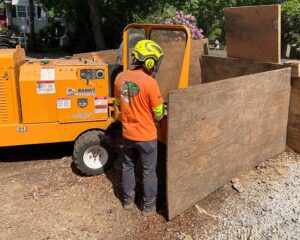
(138,95)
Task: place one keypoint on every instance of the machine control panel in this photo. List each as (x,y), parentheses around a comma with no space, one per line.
(89,74)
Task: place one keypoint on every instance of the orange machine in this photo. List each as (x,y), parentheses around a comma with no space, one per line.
(66,100)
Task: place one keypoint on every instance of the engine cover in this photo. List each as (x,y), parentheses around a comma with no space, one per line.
(64,90)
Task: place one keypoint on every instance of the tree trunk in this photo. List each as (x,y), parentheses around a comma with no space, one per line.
(96,24)
(8,14)
(31,23)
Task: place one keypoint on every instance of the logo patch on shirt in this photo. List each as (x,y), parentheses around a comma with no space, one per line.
(128,91)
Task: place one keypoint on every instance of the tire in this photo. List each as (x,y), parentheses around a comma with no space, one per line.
(93,153)
(2,46)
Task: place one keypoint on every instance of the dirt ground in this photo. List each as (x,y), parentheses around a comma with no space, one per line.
(43,197)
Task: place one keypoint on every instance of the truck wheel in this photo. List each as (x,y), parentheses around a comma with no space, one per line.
(3,46)
(92,153)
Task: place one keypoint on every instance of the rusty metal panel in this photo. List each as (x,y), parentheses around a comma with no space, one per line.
(219,130)
(219,68)
(200,48)
(107,56)
(293,132)
(254,32)
(295,65)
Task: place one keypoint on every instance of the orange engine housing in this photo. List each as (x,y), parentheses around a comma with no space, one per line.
(64,90)
(47,101)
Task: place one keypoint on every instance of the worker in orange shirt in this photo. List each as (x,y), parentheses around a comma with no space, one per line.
(138,95)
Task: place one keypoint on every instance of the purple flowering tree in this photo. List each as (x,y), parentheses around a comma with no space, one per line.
(187,20)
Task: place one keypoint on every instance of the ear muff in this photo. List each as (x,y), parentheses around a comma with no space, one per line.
(149,63)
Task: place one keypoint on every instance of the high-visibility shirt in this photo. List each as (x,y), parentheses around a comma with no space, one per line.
(138,94)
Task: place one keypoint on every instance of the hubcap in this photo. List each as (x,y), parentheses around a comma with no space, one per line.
(95,157)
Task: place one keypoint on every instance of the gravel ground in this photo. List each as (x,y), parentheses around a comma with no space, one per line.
(266,207)
(47,199)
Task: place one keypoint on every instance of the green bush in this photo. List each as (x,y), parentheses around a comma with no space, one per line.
(291,23)
(3,31)
(2,5)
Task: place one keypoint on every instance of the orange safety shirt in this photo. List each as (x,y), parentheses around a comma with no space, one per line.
(138,94)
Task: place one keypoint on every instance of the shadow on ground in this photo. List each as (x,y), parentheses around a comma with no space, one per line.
(36,152)
(115,177)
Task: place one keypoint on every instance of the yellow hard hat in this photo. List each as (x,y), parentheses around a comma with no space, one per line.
(148,52)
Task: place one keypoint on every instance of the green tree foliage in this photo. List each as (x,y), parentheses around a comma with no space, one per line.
(210,14)
(291,22)
(2,4)
(114,15)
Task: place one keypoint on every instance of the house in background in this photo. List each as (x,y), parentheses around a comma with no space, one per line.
(17,14)
(3,22)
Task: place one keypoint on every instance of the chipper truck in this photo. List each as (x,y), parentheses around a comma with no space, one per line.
(71,99)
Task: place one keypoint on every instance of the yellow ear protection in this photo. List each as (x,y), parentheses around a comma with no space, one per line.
(149,63)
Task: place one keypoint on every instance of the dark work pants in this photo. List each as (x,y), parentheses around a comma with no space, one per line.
(147,153)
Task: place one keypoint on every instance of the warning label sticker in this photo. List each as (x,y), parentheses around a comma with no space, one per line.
(101,110)
(101,105)
(45,87)
(63,103)
(100,101)
(48,74)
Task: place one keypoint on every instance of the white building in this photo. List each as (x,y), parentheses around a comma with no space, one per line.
(18,15)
